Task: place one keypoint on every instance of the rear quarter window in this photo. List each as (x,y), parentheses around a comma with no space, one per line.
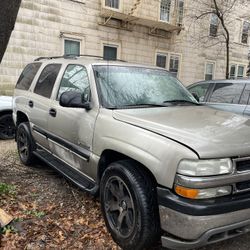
(27,76)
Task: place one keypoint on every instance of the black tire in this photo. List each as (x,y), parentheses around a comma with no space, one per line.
(129,205)
(25,144)
(7,127)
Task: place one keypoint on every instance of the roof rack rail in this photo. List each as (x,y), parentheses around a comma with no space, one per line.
(67,56)
(86,55)
(48,57)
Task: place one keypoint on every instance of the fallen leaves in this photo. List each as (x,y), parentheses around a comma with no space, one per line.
(48,211)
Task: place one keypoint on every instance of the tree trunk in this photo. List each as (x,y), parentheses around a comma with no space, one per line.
(227,61)
(8,14)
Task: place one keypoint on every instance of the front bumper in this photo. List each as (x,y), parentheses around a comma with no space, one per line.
(191,224)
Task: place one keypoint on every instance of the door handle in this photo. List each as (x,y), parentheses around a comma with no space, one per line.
(31,104)
(52,112)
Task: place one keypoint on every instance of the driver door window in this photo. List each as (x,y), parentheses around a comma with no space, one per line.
(200,91)
(76,79)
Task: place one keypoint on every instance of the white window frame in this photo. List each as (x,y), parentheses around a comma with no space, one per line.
(214,69)
(168,54)
(107,7)
(170,11)
(244,71)
(210,23)
(178,12)
(73,40)
(237,70)
(111,44)
(73,37)
(241,33)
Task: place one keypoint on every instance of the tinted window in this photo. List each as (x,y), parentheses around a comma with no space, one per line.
(227,93)
(200,90)
(245,96)
(76,79)
(47,80)
(27,76)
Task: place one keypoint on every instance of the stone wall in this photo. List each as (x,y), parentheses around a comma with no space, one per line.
(42,26)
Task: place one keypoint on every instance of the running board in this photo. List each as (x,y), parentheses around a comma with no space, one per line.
(78,179)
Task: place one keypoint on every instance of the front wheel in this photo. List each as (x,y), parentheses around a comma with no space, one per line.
(7,127)
(25,144)
(129,205)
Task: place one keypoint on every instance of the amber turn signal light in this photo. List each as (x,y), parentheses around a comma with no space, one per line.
(186,192)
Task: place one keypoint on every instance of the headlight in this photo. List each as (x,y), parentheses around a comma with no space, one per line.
(205,167)
(203,193)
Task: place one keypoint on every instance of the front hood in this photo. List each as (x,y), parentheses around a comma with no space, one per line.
(210,133)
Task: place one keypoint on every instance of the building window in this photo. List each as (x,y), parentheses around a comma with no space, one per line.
(237,71)
(209,73)
(72,47)
(112,4)
(110,52)
(233,71)
(174,65)
(214,23)
(241,70)
(161,61)
(180,11)
(165,10)
(170,62)
(245,32)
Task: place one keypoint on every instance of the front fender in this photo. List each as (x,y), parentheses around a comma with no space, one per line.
(159,154)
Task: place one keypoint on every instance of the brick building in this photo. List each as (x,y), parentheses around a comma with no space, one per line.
(153,32)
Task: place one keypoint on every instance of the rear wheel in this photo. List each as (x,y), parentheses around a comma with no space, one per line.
(7,127)
(25,144)
(129,205)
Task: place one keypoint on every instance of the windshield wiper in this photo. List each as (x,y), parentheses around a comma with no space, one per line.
(181,101)
(137,105)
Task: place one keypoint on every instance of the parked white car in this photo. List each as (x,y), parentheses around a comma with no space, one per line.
(7,127)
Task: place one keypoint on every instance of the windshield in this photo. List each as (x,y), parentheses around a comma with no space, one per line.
(131,86)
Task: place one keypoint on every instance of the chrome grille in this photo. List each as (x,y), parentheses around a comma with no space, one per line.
(242,165)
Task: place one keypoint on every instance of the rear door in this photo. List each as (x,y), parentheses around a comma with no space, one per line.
(226,96)
(39,103)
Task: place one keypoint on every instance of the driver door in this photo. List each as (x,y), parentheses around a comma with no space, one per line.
(72,129)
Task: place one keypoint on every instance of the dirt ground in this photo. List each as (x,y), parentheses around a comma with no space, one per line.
(51,213)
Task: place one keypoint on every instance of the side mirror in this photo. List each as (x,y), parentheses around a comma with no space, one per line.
(72,99)
(196,97)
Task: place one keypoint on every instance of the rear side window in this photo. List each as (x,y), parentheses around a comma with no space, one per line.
(200,90)
(27,76)
(47,80)
(227,93)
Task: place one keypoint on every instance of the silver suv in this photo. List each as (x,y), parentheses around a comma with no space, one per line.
(162,164)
